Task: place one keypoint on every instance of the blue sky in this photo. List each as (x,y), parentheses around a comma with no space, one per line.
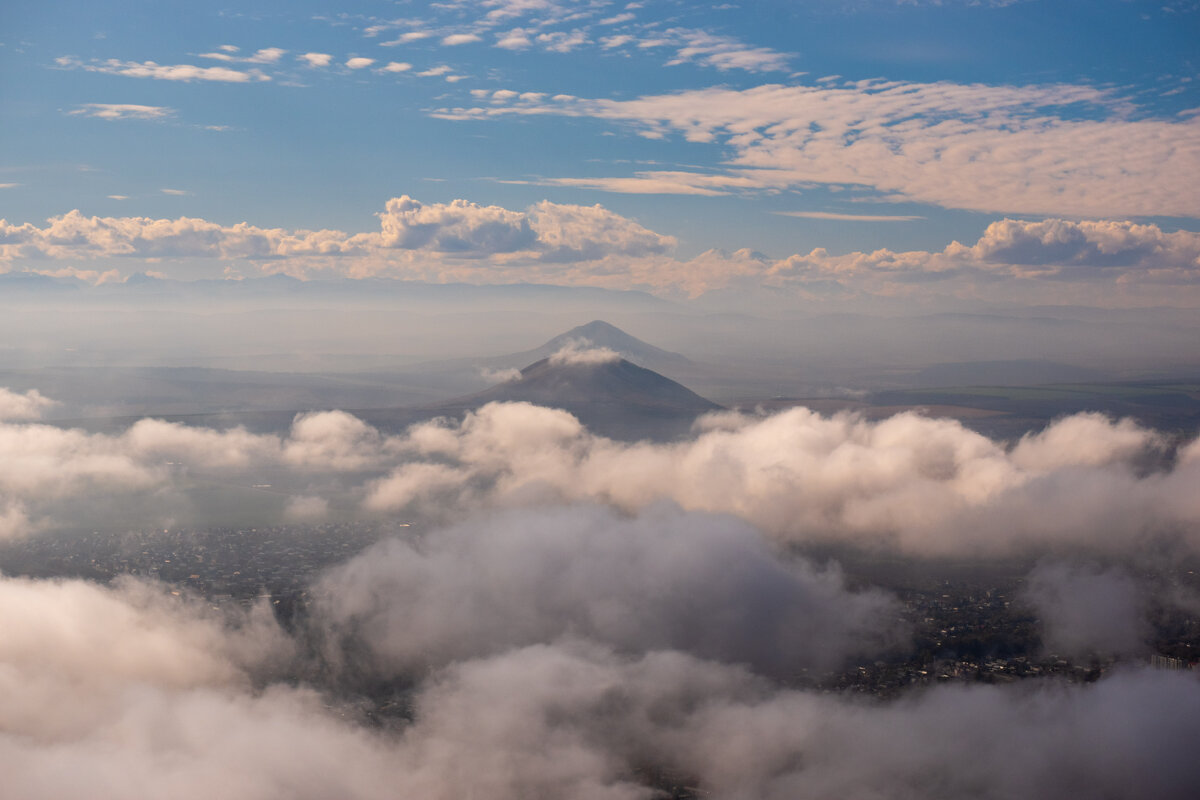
(807,135)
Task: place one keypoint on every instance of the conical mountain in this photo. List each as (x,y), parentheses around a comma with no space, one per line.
(609,394)
(598,333)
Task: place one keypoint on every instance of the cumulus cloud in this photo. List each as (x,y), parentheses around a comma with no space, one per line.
(923,486)
(911,483)
(1107,262)
(459,227)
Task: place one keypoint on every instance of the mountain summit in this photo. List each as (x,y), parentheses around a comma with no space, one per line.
(599,334)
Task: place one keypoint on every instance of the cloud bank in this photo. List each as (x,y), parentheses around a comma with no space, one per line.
(910,483)
(1107,262)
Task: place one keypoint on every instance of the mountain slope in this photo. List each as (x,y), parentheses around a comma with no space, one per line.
(614,398)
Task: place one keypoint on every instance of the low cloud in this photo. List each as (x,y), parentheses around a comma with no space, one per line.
(30,405)
(707,585)
(1086,611)
(919,485)
(909,483)
(582,351)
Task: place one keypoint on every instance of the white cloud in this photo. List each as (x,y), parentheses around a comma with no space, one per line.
(115,111)
(405,38)
(849,217)
(561,41)
(316,59)
(516,39)
(434,72)
(359,62)
(176,72)
(268,55)
(397,66)
(29,405)
(1116,262)
(583,352)
(985,148)
(923,486)
(460,38)
(725,52)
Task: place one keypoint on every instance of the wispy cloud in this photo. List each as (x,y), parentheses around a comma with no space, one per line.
(165,72)
(849,217)
(117,111)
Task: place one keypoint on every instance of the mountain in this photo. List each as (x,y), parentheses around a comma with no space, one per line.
(598,333)
(615,398)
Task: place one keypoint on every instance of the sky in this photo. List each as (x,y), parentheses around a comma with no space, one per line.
(1022,151)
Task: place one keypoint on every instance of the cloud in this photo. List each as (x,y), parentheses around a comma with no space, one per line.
(1087,611)
(500,375)
(583,352)
(206,702)
(1000,149)
(316,60)
(405,38)
(1118,262)
(459,226)
(115,111)
(460,38)
(30,405)
(359,62)
(849,217)
(397,66)
(725,52)
(268,55)
(151,69)
(515,39)
(909,483)
(530,577)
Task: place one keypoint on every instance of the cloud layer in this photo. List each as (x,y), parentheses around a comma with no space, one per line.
(1004,149)
(1106,262)
(919,485)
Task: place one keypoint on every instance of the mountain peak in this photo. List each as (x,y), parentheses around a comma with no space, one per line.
(604,335)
